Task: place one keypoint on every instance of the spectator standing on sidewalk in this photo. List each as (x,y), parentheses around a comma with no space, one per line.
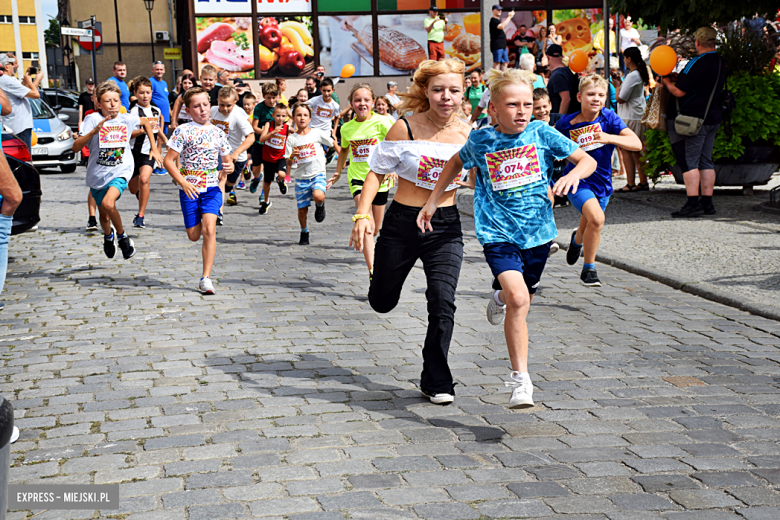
(498,37)
(564,85)
(631,105)
(120,73)
(20,120)
(703,74)
(160,93)
(435,25)
(86,106)
(10,198)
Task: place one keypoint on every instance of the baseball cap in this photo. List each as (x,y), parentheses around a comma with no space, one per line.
(90,81)
(433,8)
(555,51)
(706,35)
(496,6)
(4,59)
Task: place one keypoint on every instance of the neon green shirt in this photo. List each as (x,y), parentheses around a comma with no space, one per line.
(437,33)
(360,137)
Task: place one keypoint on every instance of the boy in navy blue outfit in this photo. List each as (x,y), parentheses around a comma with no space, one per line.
(597,130)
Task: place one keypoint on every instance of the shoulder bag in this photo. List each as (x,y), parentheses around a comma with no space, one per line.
(688,126)
(654,116)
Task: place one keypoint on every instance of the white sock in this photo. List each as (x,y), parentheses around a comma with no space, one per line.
(495,299)
(517,376)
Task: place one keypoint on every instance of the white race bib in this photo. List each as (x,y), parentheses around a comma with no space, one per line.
(305,153)
(361,149)
(514,168)
(113,136)
(584,136)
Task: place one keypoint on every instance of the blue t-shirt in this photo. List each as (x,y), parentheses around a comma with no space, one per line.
(600,181)
(125,96)
(514,171)
(160,97)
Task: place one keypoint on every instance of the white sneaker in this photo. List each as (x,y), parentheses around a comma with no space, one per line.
(14,435)
(495,312)
(439,398)
(553,249)
(206,287)
(522,391)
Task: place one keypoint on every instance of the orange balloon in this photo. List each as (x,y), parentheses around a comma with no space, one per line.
(578,61)
(34,138)
(663,60)
(347,70)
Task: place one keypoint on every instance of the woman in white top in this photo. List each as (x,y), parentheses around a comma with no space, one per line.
(416,149)
(631,105)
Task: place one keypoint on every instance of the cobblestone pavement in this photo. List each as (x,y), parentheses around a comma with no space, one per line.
(286,396)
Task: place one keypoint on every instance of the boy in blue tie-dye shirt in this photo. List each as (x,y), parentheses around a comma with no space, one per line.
(512,212)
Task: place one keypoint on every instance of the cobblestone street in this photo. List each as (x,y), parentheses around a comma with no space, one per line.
(285,396)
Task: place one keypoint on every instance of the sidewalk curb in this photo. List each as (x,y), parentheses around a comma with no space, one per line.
(465,200)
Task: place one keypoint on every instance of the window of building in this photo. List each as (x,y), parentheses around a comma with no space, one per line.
(29,55)
(6,19)
(27,20)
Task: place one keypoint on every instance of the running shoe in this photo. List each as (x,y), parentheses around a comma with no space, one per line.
(442,398)
(282,186)
(109,244)
(319,212)
(160,171)
(554,247)
(522,391)
(264,206)
(127,246)
(241,185)
(205,286)
(573,254)
(253,185)
(590,278)
(14,435)
(92,224)
(495,312)
(304,240)
(220,219)
(231,200)
(138,222)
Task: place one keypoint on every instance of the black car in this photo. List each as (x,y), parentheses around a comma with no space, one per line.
(17,154)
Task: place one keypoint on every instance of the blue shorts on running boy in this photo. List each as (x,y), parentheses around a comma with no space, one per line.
(209,201)
(503,257)
(304,189)
(119,183)
(583,195)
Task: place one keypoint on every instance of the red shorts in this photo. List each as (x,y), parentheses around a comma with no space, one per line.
(436,51)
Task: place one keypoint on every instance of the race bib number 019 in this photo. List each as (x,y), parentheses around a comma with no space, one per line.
(584,137)
(428,173)
(361,149)
(114,136)
(514,168)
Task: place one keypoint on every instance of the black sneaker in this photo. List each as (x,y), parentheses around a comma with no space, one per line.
(282,186)
(92,224)
(127,246)
(573,253)
(319,212)
(254,184)
(304,241)
(689,211)
(709,210)
(264,207)
(109,244)
(590,278)
(220,219)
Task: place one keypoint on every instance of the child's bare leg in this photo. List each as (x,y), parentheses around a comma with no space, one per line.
(109,214)
(514,295)
(303,215)
(91,204)
(267,190)
(593,216)
(209,231)
(143,189)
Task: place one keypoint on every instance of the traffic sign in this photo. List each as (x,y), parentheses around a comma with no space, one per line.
(86,23)
(86,42)
(74,31)
(173,53)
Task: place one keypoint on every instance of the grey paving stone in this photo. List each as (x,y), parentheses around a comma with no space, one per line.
(455,511)
(411,496)
(220,479)
(602,486)
(514,508)
(538,489)
(760,513)
(218,512)
(348,500)
(642,502)
(756,496)
(580,505)
(319,515)
(702,498)
(726,478)
(375,481)
(477,492)
(665,483)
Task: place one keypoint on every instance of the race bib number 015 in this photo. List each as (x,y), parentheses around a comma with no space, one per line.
(361,149)
(584,137)
(428,173)
(114,136)
(514,168)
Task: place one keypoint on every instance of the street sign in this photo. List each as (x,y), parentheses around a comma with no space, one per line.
(172,54)
(86,42)
(86,24)
(73,31)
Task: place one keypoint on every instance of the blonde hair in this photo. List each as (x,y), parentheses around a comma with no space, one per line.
(593,80)
(227,92)
(359,86)
(105,87)
(208,70)
(498,80)
(415,100)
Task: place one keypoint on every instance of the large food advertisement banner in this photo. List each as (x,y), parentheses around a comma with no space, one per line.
(577,28)
(343,41)
(283,6)
(226,44)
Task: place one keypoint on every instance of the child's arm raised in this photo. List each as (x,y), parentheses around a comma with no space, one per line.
(267,133)
(627,140)
(173,171)
(448,174)
(83,139)
(584,166)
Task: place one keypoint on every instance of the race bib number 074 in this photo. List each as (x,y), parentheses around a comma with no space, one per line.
(514,168)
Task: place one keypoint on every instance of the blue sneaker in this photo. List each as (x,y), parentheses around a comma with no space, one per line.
(253,185)
(160,171)
(138,222)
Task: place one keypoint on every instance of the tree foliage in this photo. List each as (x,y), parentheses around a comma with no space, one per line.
(52,35)
(691,14)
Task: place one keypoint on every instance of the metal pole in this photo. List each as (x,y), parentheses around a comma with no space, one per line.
(94,51)
(151,35)
(170,40)
(605,13)
(118,41)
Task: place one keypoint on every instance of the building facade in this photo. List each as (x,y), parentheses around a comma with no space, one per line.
(21,32)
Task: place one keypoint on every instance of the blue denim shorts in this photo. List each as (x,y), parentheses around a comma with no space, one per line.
(501,55)
(503,257)
(583,195)
(119,183)
(210,201)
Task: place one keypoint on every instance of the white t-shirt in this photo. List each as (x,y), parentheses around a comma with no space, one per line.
(484,101)
(200,148)
(322,113)
(236,126)
(20,118)
(627,37)
(110,155)
(310,160)
(394,100)
(141,143)
(633,93)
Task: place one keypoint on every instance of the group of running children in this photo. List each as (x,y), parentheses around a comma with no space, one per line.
(510,164)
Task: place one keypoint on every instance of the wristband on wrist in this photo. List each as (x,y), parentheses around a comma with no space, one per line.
(359,216)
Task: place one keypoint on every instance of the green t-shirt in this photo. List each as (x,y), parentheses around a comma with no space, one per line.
(437,33)
(473,94)
(263,114)
(360,137)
